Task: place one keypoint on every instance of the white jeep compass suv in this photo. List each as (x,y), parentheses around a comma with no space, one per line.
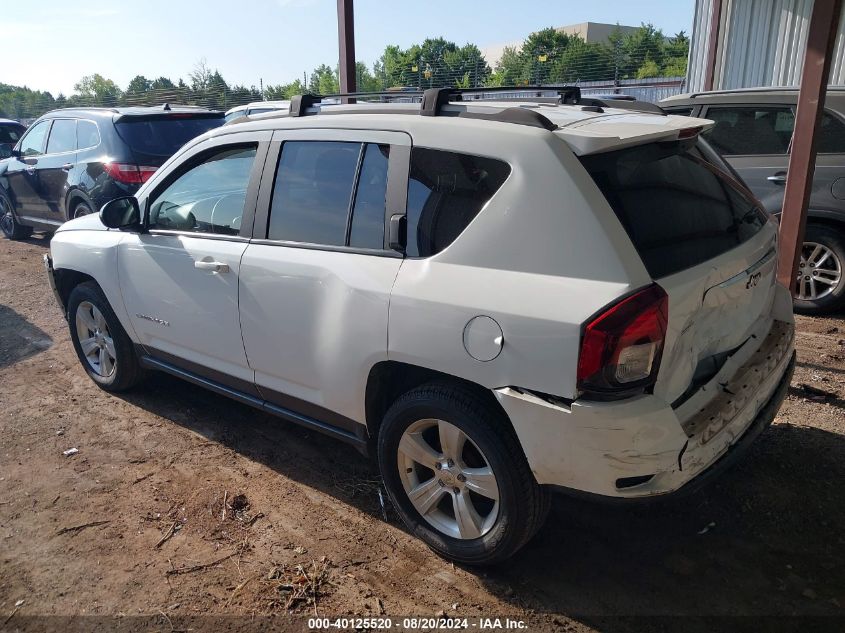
(495,297)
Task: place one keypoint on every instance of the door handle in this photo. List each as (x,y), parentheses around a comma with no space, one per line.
(215,267)
(67,166)
(778,179)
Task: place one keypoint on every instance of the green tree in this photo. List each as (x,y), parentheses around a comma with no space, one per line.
(162,83)
(97,90)
(581,61)
(324,81)
(284,91)
(139,85)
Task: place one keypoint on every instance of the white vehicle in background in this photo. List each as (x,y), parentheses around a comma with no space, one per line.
(496,298)
(256,107)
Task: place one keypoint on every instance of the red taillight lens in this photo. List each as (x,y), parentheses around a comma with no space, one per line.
(128,173)
(621,348)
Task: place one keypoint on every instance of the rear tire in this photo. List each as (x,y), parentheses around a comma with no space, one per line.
(102,345)
(822,260)
(12,229)
(479,507)
(80,209)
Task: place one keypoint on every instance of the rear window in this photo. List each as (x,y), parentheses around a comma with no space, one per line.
(446,190)
(678,209)
(162,136)
(10,133)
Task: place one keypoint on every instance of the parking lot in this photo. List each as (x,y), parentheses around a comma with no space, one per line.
(147,518)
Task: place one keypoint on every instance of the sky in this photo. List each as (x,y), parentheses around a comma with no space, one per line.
(60,41)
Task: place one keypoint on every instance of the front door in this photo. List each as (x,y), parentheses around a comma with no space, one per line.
(180,279)
(317,277)
(21,171)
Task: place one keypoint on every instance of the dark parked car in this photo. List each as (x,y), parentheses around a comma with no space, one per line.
(753,132)
(10,134)
(71,162)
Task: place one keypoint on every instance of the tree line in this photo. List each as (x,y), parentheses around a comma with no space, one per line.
(545,57)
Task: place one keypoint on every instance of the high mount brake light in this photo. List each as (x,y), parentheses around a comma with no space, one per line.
(128,173)
(622,346)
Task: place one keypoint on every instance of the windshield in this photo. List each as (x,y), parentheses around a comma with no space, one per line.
(162,136)
(678,209)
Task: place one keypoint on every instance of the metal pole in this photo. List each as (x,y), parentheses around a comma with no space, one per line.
(821,38)
(346,41)
(713,44)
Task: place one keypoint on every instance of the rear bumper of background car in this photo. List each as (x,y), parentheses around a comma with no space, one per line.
(642,447)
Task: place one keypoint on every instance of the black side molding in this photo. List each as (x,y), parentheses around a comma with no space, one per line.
(358,440)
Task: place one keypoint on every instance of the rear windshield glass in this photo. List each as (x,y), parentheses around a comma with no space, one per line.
(163,136)
(678,209)
(10,133)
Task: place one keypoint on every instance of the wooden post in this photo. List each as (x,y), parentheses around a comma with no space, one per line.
(346,41)
(821,38)
(713,44)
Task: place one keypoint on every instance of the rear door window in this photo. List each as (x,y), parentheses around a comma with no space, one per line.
(368,213)
(446,190)
(678,209)
(62,136)
(313,191)
(830,138)
(750,130)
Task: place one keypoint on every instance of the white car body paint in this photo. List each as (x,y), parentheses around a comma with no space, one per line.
(544,255)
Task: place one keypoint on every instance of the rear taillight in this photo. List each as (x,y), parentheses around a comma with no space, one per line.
(128,173)
(621,347)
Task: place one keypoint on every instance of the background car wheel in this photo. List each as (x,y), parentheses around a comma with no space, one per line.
(9,223)
(456,474)
(101,343)
(820,284)
(80,209)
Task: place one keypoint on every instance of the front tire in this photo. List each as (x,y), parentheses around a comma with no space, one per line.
(12,229)
(820,284)
(101,343)
(457,476)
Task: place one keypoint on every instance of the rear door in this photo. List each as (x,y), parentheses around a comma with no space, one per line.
(53,169)
(316,279)
(755,141)
(703,238)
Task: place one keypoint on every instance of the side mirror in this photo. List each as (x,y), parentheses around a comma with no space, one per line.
(121,213)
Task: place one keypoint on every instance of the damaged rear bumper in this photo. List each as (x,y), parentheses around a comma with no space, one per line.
(642,447)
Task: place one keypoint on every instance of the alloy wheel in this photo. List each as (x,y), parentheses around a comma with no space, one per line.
(81,210)
(448,479)
(7,222)
(819,272)
(95,340)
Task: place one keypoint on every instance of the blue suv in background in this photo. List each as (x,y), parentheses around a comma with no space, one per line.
(71,162)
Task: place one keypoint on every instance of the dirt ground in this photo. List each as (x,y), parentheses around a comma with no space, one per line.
(182,503)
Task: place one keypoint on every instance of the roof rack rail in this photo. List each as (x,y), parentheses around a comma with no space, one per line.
(569,95)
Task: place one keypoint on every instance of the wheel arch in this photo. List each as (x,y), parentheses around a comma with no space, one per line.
(76,195)
(66,280)
(827,217)
(390,379)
